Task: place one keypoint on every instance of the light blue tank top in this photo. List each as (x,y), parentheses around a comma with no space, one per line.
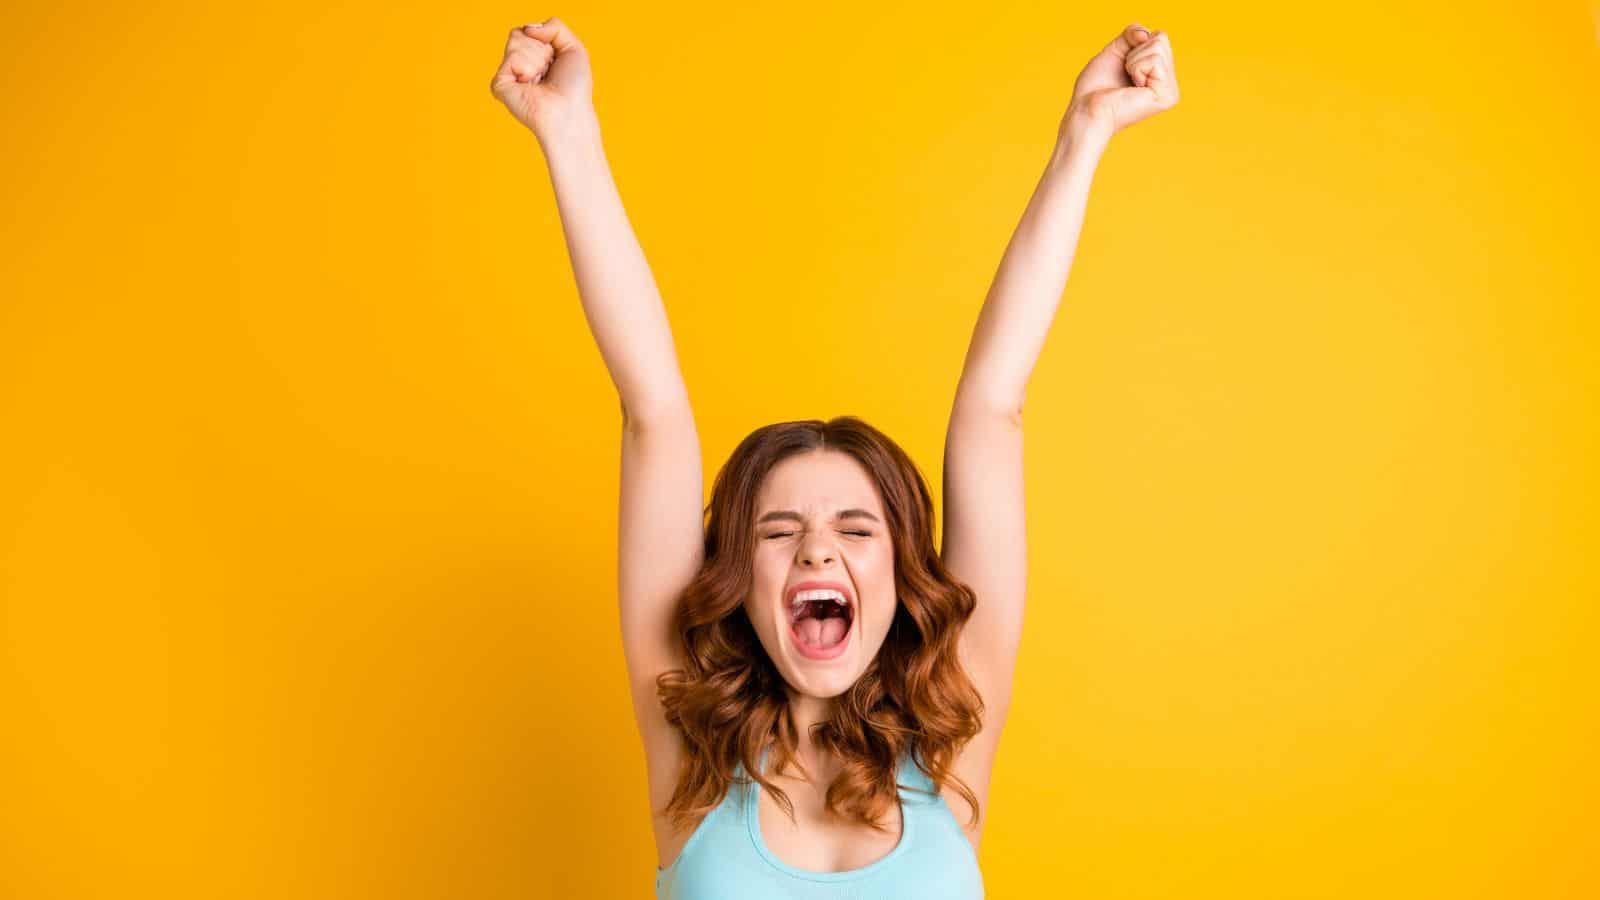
(727,859)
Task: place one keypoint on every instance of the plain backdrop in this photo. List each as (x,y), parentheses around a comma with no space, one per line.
(308,463)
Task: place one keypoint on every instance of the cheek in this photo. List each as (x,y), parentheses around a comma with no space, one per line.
(878,564)
(874,574)
(769,567)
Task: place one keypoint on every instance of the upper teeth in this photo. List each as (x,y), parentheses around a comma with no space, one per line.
(817,594)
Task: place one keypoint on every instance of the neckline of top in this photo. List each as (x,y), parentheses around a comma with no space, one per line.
(752,818)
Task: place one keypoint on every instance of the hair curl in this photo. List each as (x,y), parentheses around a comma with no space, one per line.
(729,701)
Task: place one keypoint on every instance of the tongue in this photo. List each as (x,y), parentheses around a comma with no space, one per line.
(821,632)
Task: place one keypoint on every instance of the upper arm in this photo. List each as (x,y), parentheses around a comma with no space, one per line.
(985,547)
(660,545)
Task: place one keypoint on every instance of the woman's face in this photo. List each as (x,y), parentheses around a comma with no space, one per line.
(819,519)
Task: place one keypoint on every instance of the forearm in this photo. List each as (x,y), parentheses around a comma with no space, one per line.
(1022,301)
(620,299)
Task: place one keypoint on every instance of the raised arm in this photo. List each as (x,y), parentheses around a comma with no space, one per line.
(619,294)
(545,81)
(984,524)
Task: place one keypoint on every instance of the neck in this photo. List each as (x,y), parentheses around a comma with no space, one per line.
(809,711)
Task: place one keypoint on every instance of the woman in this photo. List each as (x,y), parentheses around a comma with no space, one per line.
(818,691)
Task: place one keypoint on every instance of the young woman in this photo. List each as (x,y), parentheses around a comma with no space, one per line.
(819,691)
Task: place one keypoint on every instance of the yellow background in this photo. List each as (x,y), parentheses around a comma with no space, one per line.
(309,467)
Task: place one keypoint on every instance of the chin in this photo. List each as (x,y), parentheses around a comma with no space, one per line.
(822,686)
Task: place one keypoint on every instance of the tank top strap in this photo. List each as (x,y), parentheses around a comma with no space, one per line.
(916,788)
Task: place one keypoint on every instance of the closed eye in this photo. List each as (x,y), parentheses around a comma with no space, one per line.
(779,534)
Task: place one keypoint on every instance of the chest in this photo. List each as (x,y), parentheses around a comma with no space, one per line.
(816,839)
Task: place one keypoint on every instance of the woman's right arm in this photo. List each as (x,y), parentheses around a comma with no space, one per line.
(660,532)
(660,539)
(619,294)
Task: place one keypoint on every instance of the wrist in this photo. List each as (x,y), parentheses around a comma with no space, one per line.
(1079,147)
(1082,130)
(580,128)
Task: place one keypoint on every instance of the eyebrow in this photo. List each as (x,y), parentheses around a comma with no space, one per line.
(852,513)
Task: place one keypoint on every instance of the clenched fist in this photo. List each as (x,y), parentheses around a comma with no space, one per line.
(544,78)
(1131,79)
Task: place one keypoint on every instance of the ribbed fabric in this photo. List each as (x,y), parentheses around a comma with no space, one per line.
(727,859)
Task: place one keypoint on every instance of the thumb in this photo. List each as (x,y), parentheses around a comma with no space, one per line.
(1124,43)
(556,33)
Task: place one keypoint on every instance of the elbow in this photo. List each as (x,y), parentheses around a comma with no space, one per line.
(655,416)
(989,407)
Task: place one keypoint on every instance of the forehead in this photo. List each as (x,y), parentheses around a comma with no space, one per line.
(818,482)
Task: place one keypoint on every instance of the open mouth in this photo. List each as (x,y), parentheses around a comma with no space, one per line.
(820,621)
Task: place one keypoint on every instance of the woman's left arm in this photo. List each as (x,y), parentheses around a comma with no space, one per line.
(984,532)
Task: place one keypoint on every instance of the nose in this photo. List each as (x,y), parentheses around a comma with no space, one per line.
(816,551)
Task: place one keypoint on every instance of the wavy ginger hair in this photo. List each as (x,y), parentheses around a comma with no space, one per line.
(729,701)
